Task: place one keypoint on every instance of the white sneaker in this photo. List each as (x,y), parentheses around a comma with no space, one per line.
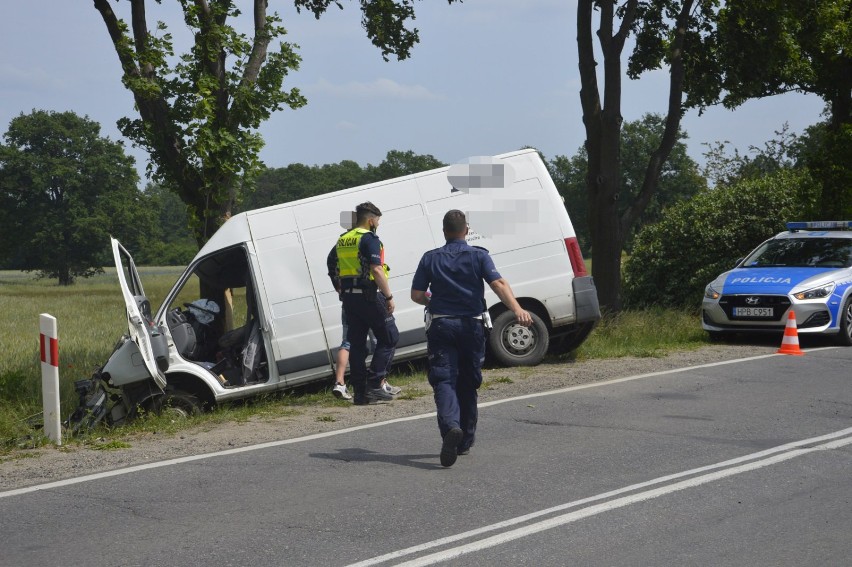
(392,390)
(339,391)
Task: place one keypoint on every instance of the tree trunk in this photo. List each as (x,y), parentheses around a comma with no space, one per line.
(603,144)
(607,226)
(65,277)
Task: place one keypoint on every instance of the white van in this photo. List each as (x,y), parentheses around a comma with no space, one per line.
(255,311)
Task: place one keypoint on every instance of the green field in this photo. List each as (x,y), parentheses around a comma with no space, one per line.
(90,318)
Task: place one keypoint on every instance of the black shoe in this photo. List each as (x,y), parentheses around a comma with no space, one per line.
(465,451)
(378,395)
(449,449)
(360,401)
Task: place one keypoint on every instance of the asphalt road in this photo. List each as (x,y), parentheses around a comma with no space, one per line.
(744,463)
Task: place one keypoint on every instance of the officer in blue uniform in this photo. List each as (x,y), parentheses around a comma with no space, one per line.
(455,330)
(367,303)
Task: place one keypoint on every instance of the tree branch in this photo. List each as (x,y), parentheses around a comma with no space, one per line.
(589,94)
(259,45)
(153,109)
(626,23)
(140,32)
(116,34)
(214,62)
(673,118)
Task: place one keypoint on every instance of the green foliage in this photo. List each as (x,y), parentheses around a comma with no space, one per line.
(383,20)
(770,47)
(827,152)
(297,181)
(696,240)
(90,318)
(199,113)
(198,118)
(776,46)
(398,163)
(786,150)
(65,190)
(679,178)
(644,333)
(657,28)
(171,242)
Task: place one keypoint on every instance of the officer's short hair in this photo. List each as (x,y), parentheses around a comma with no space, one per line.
(454,222)
(366,210)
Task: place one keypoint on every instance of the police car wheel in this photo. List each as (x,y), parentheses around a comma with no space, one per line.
(512,344)
(844,337)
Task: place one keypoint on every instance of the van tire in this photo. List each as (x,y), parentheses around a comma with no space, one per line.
(844,337)
(178,403)
(512,344)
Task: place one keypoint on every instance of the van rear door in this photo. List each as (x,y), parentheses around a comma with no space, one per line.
(140,324)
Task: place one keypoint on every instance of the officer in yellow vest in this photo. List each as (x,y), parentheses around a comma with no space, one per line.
(367,303)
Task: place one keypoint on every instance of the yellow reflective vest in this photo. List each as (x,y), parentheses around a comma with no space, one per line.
(350,264)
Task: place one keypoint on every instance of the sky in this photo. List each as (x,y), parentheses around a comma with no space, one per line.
(488,77)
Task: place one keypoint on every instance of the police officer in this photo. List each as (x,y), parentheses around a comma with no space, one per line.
(455,333)
(367,303)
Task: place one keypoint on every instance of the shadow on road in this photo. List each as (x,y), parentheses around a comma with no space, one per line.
(355,454)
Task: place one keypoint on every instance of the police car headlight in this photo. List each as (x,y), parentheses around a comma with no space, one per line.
(711,293)
(815,293)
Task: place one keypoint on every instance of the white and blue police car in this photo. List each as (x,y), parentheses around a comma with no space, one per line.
(807,269)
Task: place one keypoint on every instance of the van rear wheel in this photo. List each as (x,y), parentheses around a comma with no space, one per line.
(512,344)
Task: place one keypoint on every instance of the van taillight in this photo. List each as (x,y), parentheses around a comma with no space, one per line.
(577,263)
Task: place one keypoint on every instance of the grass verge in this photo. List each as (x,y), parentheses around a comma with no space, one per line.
(90,316)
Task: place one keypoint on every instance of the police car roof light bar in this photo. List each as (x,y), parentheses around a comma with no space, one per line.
(819,225)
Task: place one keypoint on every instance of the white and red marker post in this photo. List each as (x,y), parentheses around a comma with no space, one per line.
(49,340)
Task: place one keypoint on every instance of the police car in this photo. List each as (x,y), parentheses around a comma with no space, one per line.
(807,269)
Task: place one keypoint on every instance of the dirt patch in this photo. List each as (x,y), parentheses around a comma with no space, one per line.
(47,464)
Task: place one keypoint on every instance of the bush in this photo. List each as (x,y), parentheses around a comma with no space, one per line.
(177,253)
(696,240)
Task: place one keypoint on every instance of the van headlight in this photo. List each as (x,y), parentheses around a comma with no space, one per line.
(711,293)
(815,293)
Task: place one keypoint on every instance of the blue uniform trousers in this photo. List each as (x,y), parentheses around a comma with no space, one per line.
(456,352)
(364,315)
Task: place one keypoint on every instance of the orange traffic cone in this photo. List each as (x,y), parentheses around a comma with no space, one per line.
(790,343)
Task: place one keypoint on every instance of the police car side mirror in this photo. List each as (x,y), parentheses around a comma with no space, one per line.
(738,262)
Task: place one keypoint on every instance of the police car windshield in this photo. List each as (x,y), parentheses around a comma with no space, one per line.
(802,253)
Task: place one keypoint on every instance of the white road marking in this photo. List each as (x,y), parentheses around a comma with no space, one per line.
(189,459)
(729,468)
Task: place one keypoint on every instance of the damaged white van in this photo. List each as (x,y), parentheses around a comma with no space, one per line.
(255,310)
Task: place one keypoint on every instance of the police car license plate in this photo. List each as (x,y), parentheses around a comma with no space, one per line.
(754,312)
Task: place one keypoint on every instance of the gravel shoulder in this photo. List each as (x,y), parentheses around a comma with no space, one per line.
(46,464)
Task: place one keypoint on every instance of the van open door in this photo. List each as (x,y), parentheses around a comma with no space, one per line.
(144,333)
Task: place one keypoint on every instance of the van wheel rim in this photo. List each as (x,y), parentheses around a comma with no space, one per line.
(518,339)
